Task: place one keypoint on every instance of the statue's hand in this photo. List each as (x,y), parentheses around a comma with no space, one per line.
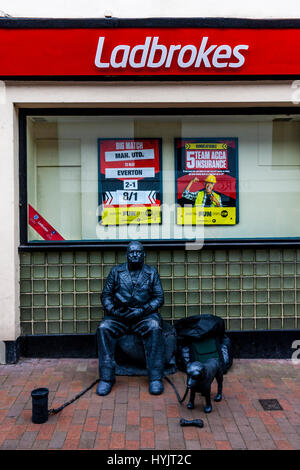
(117,312)
(134,313)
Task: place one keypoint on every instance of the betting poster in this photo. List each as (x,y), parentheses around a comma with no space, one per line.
(130,183)
(206,181)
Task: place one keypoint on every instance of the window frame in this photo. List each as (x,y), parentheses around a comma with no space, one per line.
(25,245)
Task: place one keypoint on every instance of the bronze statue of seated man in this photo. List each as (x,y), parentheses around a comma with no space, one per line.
(131,297)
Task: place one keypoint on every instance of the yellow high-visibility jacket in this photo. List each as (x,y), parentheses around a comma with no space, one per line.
(200,200)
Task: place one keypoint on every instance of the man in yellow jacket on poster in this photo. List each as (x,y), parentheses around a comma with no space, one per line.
(206,197)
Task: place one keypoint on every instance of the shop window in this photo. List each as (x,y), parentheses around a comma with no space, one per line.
(114,178)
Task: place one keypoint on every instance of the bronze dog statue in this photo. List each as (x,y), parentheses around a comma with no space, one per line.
(199,380)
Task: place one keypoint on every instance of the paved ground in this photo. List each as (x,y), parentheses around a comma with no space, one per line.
(130,418)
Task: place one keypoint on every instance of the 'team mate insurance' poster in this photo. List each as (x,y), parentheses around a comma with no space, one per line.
(130,187)
(207,181)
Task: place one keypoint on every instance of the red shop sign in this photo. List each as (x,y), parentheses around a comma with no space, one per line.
(158,51)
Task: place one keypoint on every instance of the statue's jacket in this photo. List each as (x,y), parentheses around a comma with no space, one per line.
(119,291)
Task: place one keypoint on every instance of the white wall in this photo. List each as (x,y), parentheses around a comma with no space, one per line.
(9,235)
(153,8)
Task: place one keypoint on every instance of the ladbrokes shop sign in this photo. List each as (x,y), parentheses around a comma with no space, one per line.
(57,48)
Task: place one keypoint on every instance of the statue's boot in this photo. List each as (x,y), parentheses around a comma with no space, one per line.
(104,388)
(156,387)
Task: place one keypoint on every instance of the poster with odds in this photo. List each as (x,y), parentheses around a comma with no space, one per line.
(130,184)
(207,181)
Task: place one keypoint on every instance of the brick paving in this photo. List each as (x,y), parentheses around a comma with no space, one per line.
(129,418)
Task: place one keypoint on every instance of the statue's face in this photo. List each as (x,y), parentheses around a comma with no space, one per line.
(135,254)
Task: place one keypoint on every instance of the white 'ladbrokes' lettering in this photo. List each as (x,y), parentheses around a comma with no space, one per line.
(155,55)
